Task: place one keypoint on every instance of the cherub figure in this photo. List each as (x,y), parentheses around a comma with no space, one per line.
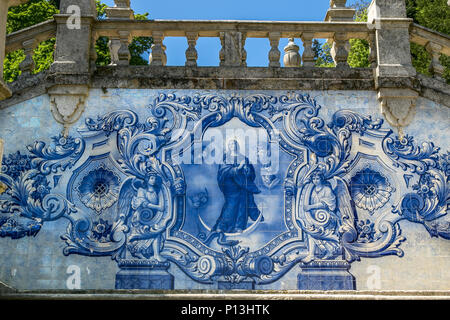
(142,208)
(324,213)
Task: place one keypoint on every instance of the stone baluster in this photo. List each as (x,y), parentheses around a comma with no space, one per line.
(291,57)
(27,65)
(339,50)
(308,52)
(372,50)
(158,55)
(436,68)
(191,52)
(123,53)
(274,53)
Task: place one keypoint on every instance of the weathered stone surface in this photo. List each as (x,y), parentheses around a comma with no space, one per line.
(124,180)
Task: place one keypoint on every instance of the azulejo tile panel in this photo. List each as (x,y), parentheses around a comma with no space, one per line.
(223,190)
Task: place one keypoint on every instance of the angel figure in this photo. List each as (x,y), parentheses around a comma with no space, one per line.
(324,213)
(142,208)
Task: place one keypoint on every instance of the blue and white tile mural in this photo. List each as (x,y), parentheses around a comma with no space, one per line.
(182,189)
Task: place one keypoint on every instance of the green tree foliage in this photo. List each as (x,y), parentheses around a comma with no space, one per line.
(358,56)
(23,16)
(36,11)
(435,15)
(322,54)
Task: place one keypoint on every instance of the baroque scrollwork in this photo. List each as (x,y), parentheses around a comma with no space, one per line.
(134,208)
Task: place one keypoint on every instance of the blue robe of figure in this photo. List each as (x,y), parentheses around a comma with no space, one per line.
(238,187)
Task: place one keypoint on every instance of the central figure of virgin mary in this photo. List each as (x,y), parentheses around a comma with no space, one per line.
(236,181)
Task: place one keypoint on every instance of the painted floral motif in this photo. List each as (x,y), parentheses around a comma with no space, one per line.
(16,163)
(425,186)
(101,230)
(9,227)
(366,230)
(370,190)
(41,187)
(99,189)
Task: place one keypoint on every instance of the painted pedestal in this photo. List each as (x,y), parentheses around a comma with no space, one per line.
(144,274)
(326,275)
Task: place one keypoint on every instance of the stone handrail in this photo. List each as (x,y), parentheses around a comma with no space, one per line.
(39,32)
(435,43)
(28,39)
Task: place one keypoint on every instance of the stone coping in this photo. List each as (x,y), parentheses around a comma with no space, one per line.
(224,295)
(224,78)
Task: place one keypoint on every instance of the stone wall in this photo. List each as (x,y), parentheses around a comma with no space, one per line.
(398,249)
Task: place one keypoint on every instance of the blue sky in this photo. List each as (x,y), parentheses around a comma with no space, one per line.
(208,49)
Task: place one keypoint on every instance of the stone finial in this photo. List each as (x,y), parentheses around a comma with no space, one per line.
(120,11)
(339,12)
(291,56)
(232,53)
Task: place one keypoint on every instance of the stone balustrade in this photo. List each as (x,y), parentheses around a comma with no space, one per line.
(233,35)
(28,39)
(388,33)
(435,43)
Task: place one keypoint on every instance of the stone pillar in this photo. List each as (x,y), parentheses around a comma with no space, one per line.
(4,5)
(232,53)
(339,12)
(120,11)
(73,53)
(394,72)
(326,275)
(388,17)
(73,37)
